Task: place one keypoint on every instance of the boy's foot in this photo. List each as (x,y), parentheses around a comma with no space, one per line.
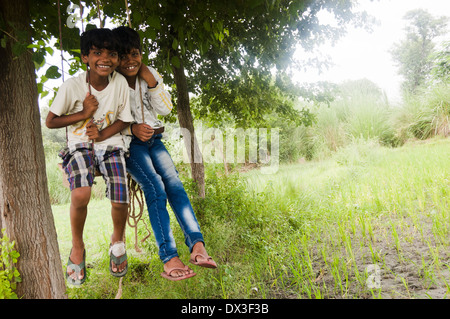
(200,257)
(76,267)
(174,269)
(118,262)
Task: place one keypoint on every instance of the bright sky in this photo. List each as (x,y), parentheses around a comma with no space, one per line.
(366,55)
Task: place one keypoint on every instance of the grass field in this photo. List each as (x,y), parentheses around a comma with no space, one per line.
(369,222)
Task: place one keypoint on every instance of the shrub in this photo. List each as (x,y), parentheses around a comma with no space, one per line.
(9,275)
(426,114)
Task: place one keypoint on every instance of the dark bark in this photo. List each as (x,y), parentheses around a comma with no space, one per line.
(25,210)
(186,122)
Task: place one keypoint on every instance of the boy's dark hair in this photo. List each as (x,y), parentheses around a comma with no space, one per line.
(128,39)
(100,38)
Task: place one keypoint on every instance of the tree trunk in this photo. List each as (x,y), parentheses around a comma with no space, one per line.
(187,123)
(25,210)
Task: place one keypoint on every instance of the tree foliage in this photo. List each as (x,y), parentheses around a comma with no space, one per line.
(412,54)
(237,54)
(441,64)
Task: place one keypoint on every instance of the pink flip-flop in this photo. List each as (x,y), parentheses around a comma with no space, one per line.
(169,271)
(208,263)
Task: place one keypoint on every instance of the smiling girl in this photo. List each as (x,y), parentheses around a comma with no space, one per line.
(151,165)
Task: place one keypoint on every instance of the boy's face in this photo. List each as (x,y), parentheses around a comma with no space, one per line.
(130,63)
(101,61)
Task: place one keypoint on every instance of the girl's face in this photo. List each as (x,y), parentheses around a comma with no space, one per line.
(102,62)
(130,63)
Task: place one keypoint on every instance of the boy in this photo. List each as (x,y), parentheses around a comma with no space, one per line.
(150,163)
(95,108)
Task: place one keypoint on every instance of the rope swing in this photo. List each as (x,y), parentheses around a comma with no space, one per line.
(128,13)
(136,193)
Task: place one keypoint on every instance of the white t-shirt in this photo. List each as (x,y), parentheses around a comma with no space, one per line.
(113,105)
(155,101)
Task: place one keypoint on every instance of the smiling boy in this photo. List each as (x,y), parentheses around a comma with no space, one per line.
(95,108)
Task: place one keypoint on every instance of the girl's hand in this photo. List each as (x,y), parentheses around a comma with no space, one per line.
(142,131)
(147,76)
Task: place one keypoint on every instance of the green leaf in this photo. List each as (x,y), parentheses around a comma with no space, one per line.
(137,16)
(150,33)
(43,79)
(180,34)
(52,72)
(39,58)
(175,44)
(154,22)
(44,94)
(49,50)
(33,46)
(207,26)
(175,61)
(203,48)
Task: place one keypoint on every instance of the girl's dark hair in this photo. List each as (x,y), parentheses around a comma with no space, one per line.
(100,38)
(128,39)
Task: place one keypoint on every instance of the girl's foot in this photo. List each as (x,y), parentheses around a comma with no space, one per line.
(200,257)
(174,269)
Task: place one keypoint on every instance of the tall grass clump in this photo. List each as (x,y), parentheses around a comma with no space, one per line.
(370,119)
(59,194)
(328,133)
(360,113)
(426,114)
(295,143)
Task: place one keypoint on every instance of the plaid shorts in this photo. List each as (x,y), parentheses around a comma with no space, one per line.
(80,166)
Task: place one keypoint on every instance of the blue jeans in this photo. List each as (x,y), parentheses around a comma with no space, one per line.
(151,166)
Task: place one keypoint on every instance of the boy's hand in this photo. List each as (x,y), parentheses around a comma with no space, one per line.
(92,131)
(142,131)
(90,106)
(148,77)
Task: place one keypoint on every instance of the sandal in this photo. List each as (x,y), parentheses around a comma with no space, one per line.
(208,263)
(167,273)
(77,268)
(117,249)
